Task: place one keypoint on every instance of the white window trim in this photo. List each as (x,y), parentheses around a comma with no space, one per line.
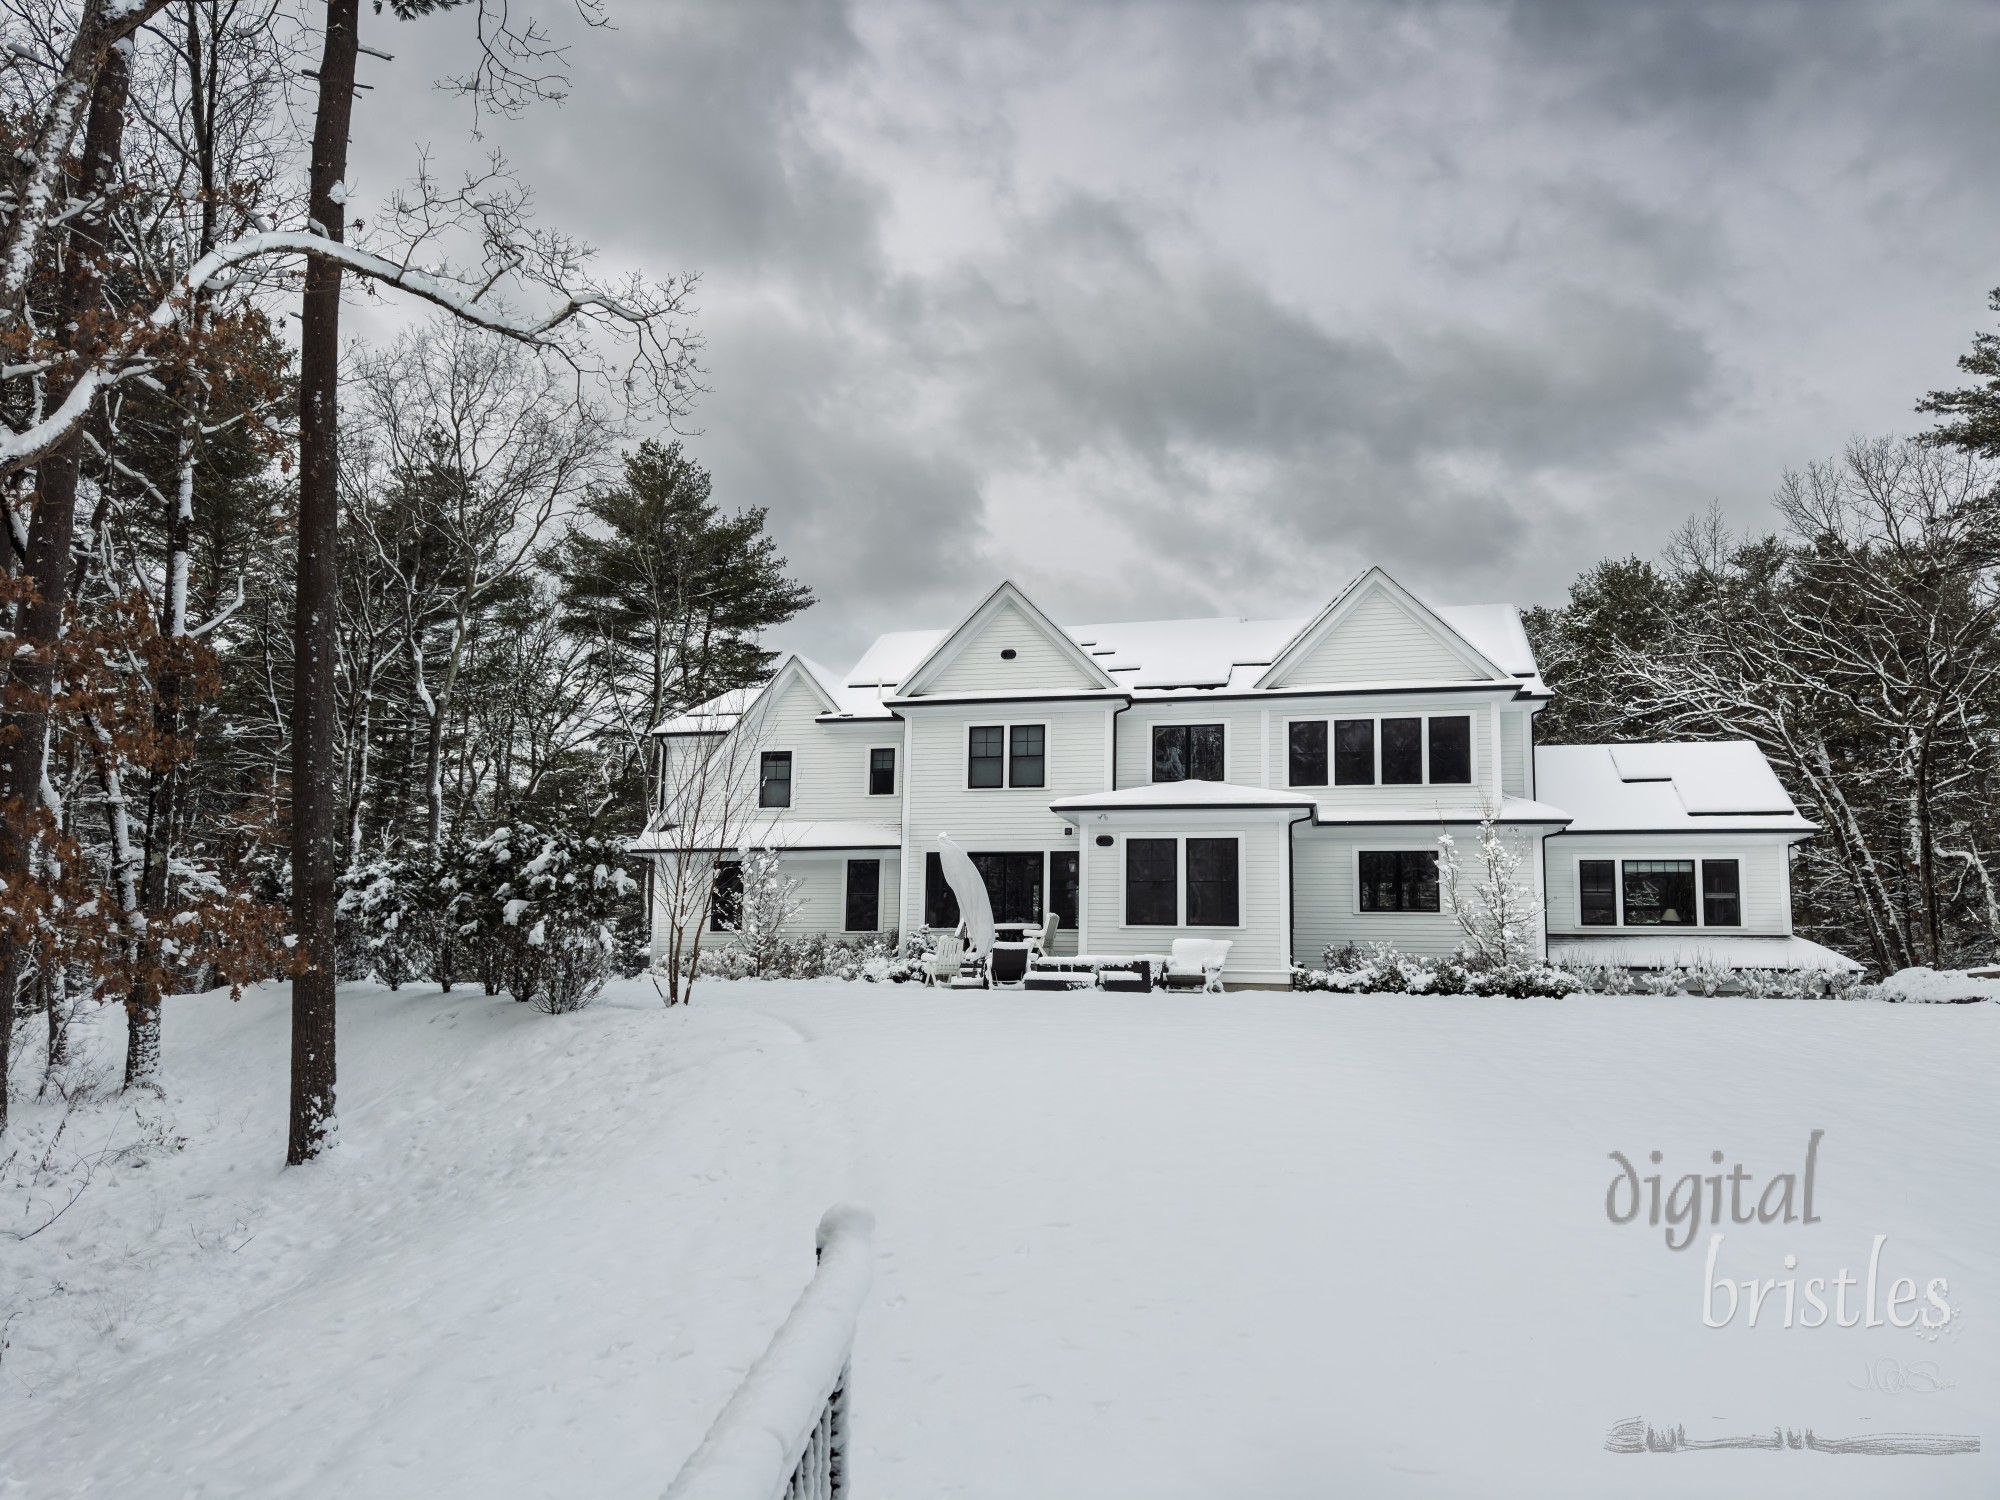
(1180,839)
(793,752)
(1006,728)
(868,771)
(1378,784)
(1618,862)
(1150,725)
(1390,846)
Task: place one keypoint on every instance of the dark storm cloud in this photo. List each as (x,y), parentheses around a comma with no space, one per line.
(1178,308)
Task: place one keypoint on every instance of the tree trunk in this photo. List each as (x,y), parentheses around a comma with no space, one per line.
(316,620)
(52,534)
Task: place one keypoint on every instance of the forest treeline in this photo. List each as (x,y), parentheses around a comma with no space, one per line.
(1858,643)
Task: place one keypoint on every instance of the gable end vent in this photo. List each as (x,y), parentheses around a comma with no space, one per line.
(1007,654)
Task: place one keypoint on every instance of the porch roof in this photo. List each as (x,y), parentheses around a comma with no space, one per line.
(1187,796)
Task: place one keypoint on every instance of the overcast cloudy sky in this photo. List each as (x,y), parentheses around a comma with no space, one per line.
(1189,309)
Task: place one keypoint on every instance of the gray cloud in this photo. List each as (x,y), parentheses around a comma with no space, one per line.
(1181,308)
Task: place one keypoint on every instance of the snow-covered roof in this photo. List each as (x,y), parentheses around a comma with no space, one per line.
(1185,795)
(1680,951)
(1707,786)
(717,716)
(1438,805)
(803,834)
(1215,652)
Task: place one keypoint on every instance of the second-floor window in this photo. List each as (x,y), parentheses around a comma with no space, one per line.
(882,772)
(1392,750)
(1006,755)
(1187,752)
(774,779)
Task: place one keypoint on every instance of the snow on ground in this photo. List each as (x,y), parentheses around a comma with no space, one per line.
(1245,1245)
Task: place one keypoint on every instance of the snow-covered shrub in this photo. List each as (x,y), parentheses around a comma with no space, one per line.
(539,909)
(769,904)
(811,956)
(383,925)
(1710,978)
(1381,970)
(1606,979)
(1927,986)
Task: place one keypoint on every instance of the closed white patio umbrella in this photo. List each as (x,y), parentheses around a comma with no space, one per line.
(975,908)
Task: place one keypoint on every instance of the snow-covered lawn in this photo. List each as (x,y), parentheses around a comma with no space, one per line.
(1248,1245)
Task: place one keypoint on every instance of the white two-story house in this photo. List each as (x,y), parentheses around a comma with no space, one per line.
(1279,783)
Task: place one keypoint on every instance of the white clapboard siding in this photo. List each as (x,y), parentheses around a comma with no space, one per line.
(1039,665)
(1762,874)
(1003,818)
(829,761)
(1323,896)
(1378,640)
(1243,726)
(1514,752)
(1257,948)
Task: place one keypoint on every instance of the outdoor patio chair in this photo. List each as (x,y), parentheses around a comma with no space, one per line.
(943,966)
(1039,943)
(1196,964)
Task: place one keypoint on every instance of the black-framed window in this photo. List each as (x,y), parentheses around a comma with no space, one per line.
(1212,883)
(1721,893)
(864,895)
(1398,880)
(774,779)
(940,900)
(1308,752)
(725,900)
(1353,752)
(1187,752)
(985,755)
(1659,893)
(1066,887)
(1597,892)
(1402,752)
(882,771)
(1150,880)
(1451,750)
(1027,754)
(1013,885)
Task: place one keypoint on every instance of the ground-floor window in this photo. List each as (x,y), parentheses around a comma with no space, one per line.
(1659,893)
(864,895)
(1066,887)
(1183,882)
(1398,879)
(725,901)
(1597,892)
(1015,883)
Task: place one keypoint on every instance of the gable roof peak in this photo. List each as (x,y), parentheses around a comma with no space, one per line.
(1372,580)
(1004,595)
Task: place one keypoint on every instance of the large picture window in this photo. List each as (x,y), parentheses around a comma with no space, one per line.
(864,895)
(774,779)
(1597,892)
(1013,885)
(1451,750)
(1402,752)
(1398,880)
(1659,893)
(1354,752)
(1212,885)
(725,901)
(1150,880)
(940,900)
(1308,753)
(1187,752)
(1721,894)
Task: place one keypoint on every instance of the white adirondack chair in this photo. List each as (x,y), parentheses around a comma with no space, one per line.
(1196,964)
(943,966)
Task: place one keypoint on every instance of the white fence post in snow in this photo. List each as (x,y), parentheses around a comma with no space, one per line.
(783,1435)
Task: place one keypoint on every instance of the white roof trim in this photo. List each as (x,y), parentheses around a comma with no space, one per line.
(1343,603)
(947,650)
